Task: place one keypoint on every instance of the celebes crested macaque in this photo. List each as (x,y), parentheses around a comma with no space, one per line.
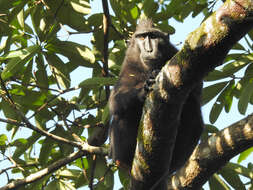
(148,51)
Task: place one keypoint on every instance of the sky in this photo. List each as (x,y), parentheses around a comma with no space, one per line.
(182,30)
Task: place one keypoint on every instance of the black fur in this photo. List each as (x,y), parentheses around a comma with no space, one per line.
(148,51)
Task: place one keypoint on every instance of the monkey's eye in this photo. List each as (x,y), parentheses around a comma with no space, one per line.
(142,36)
(152,36)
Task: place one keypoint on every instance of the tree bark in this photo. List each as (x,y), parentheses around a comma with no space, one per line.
(212,154)
(204,49)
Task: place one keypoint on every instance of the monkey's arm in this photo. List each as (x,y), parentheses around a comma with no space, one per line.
(123,97)
(126,110)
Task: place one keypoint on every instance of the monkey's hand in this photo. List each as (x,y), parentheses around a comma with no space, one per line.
(151,80)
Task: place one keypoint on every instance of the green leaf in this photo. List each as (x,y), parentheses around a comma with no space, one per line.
(81,6)
(231,68)
(45,151)
(14,17)
(8,110)
(53,185)
(20,18)
(27,73)
(6,4)
(134,12)
(215,111)
(215,75)
(98,81)
(21,53)
(70,173)
(107,183)
(73,18)
(228,95)
(66,185)
(251,34)
(41,74)
(246,172)
(244,155)
(224,99)
(73,51)
(211,128)
(211,91)
(150,7)
(21,149)
(238,46)
(17,59)
(245,97)
(3,139)
(232,178)
(124,177)
(216,183)
(59,69)
(106,114)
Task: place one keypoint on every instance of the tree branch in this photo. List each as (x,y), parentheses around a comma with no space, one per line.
(86,149)
(42,173)
(106,24)
(212,154)
(204,49)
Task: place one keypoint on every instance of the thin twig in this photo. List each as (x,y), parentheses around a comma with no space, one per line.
(53,98)
(106,24)
(92,173)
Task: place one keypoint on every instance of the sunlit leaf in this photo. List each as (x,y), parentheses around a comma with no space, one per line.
(3,139)
(20,18)
(70,173)
(73,51)
(244,155)
(81,6)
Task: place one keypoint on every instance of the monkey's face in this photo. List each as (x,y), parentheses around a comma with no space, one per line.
(152,47)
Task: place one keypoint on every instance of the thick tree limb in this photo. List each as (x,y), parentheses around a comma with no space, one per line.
(204,49)
(212,154)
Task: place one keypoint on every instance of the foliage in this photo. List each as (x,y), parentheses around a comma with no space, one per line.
(39,85)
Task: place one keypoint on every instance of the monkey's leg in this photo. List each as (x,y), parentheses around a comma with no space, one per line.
(123,134)
(189,131)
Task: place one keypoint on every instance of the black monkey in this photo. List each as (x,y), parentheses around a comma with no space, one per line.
(148,51)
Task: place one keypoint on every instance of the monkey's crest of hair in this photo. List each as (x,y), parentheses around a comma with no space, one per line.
(145,23)
(145,26)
